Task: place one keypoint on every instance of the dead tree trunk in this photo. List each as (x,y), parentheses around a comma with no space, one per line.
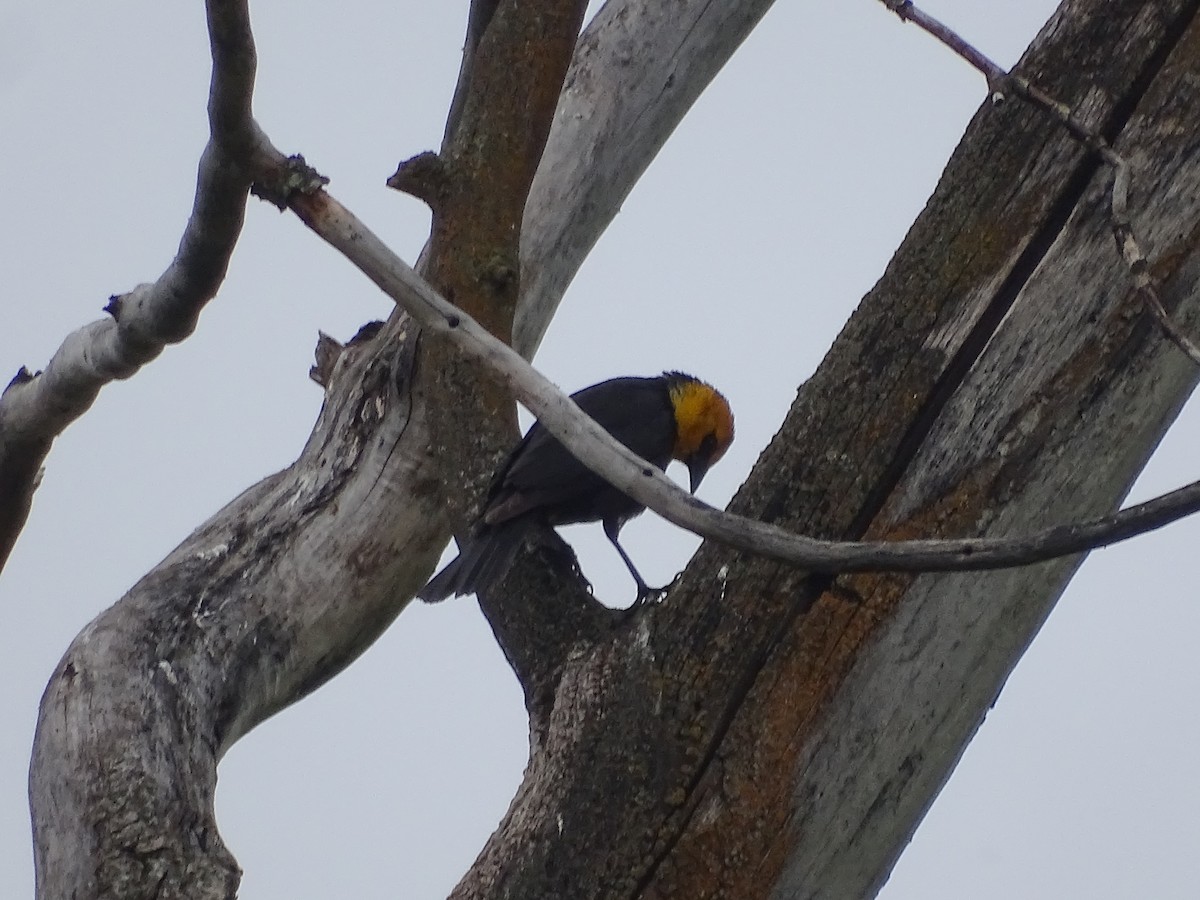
(764,732)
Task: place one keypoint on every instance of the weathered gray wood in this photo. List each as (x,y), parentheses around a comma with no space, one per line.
(715,745)
(1052,423)
(639,67)
(768,733)
(622,468)
(278,591)
(255,609)
(36,407)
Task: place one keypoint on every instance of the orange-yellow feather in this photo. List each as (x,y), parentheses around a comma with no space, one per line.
(700,410)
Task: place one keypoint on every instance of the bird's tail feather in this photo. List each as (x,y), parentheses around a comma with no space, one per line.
(482,560)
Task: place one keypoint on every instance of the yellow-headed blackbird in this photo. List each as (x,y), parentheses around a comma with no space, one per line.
(673,416)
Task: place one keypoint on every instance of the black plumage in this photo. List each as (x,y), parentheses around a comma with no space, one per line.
(542,482)
(541,474)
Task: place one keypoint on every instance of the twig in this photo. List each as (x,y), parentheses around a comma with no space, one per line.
(601,453)
(1000,85)
(35,409)
(1143,281)
(908,12)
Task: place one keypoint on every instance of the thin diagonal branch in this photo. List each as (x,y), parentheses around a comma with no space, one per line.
(1002,83)
(1139,267)
(601,453)
(35,408)
(907,11)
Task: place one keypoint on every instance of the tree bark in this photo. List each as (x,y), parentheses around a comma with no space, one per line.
(298,576)
(763,732)
(36,407)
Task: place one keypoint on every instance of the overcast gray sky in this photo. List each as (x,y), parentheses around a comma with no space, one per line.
(774,207)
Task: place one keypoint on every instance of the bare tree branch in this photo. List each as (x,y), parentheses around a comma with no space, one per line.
(1139,267)
(757,734)
(601,453)
(267,604)
(908,11)
(36,408)
(639,67)
(1001,83)
(253,611)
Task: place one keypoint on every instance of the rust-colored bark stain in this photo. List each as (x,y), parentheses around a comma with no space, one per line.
(745,658)
(730,847)
(741,824)
(738,827)
(741,827)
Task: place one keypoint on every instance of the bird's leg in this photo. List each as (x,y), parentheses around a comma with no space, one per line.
(645,592)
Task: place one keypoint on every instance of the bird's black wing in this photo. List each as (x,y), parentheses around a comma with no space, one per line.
(542,474)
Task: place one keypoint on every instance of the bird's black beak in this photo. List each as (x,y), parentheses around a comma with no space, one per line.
(697,469)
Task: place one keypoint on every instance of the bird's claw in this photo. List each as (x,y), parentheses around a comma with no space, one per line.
(647,594)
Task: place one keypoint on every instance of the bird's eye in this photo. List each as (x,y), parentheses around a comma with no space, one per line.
(707,446)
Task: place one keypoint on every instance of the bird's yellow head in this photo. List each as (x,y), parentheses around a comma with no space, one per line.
(703,424)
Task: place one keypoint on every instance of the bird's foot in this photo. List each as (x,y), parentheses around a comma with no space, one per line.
(647,594)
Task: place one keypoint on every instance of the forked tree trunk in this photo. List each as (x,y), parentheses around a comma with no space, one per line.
(763,732)
(766,733)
